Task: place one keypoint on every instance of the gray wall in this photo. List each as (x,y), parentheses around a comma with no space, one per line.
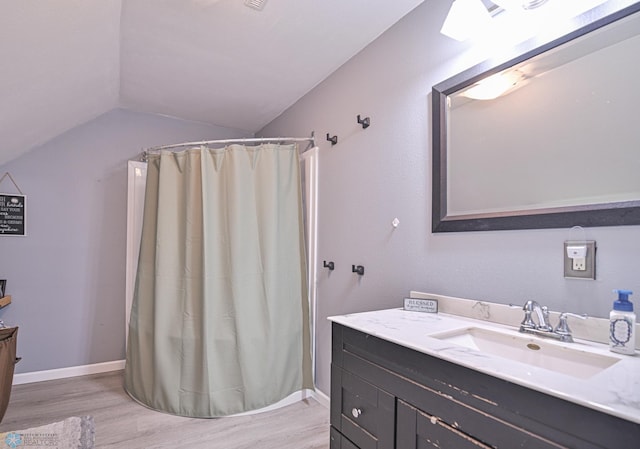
(67,277)
(383,172)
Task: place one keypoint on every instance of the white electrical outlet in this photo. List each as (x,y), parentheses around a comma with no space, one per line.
(580,259)
(579,264)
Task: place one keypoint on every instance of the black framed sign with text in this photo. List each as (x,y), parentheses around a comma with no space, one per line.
(12,214)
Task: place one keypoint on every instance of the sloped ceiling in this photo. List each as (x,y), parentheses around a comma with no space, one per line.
(60,67)
(64,62)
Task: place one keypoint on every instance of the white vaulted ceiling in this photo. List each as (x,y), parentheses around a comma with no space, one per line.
(65,62)
(59,67)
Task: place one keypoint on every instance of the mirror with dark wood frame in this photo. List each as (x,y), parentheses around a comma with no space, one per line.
(481,185)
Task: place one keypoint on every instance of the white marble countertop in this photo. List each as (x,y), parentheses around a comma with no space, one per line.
(615,390)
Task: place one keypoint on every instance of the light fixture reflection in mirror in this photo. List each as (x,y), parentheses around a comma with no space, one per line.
(494,86)
(561,149)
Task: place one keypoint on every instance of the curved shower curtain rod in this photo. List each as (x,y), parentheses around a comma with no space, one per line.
(311,140)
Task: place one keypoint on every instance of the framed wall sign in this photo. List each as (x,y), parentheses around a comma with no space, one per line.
(12,214)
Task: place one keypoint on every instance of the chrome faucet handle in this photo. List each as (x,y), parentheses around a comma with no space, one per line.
(563,327)
(527,322)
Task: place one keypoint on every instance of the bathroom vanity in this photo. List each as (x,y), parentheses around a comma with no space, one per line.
(405,380)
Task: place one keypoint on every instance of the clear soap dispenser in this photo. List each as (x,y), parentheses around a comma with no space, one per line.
(622,330)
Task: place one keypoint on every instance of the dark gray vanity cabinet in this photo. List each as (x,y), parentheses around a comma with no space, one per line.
(387,396)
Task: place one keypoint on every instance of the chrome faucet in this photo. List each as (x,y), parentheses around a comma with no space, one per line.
(542,312)
(543,327)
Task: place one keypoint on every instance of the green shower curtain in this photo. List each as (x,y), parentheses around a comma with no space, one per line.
(220,316)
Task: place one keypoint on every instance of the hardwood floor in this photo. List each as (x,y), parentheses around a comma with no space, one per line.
(123,423)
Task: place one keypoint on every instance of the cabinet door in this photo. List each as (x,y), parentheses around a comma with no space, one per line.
(419,430)
(339,442)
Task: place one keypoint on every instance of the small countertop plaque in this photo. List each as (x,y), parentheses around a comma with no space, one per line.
(421,305)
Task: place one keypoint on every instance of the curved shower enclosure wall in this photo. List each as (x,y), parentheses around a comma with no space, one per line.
(137,176)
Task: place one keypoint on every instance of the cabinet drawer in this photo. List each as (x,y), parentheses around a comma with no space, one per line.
(420,430)
(361,412)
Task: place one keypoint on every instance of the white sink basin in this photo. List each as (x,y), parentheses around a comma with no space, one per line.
(539,352)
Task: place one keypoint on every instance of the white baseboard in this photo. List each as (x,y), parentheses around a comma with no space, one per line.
(322,398)
(63,373)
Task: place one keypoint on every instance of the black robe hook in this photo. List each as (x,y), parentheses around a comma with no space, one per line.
(333,140)
(365,122)
(359,269)
(331,266)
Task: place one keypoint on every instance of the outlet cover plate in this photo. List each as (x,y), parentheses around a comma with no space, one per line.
(590,262)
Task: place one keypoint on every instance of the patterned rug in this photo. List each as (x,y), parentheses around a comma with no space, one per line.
(72,433)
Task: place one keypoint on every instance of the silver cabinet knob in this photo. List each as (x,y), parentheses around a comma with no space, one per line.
(356,412)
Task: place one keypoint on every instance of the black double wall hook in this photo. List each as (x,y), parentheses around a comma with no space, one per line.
(331,266)
(333,140)
(357,269)
(365,122)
